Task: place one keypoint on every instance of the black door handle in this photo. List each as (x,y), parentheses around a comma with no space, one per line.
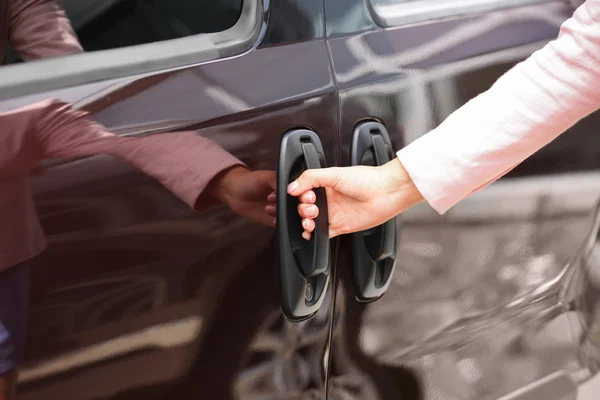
(304,266)
(373,250)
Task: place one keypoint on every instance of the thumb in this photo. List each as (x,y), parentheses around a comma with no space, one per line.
(314,178)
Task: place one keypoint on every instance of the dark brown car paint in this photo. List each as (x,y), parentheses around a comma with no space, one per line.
(413,342)
(173,304)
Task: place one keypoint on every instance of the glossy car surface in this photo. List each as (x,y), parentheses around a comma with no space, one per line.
(138,297)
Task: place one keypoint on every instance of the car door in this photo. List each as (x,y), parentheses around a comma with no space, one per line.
(480,303)
(137,296)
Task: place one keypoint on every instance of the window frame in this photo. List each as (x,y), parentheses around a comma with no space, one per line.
(412,12)
(59,72)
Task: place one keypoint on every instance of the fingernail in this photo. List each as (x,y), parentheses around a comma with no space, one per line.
(305,235)
(292,187)
(305,224)
(311,210)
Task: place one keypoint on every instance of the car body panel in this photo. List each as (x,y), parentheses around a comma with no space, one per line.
(474,310)
(137,296)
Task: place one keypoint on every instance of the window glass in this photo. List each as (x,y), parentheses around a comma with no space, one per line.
(110,24)
(132,22)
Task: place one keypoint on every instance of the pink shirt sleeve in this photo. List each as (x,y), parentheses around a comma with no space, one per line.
(183,162)
(40,29)
(524,110)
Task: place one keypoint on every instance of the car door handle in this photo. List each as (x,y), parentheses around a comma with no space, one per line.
(304,265)
(374,250)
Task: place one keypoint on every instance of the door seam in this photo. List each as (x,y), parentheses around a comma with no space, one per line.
(334,275)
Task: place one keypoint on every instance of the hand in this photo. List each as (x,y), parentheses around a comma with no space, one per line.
(358,198)
(38,171)
(248,193)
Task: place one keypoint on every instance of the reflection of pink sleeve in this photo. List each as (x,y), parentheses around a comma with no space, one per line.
(183,162)
(40,29)
(524,110)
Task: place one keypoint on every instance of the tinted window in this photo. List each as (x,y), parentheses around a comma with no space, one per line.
(109,24)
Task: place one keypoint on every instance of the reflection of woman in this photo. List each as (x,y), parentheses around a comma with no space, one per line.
(37,29)
(524,110)
(185,163)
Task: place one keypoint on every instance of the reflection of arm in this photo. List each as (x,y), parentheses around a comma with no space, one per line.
(40,29)
(183,162)
(524,110)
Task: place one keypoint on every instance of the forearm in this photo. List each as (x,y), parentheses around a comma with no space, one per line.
(183,162)
(41,29)
(526,109)
(48,129)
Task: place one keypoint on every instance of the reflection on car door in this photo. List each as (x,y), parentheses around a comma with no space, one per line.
(139,297)
(474,309)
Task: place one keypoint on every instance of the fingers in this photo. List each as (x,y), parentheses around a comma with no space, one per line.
(271,210)
(272,179)
(314,178)
(308,197)
(265,220)
(308,225)
(308,210)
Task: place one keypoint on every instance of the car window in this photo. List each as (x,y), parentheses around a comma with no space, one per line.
(132,22)
(389,13)
(127,37)
(110,24)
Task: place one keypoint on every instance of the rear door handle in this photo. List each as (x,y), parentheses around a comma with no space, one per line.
(304,266)
(374,250)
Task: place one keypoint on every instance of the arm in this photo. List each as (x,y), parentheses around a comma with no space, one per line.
(528,107)
(183,162)
(40,29)
(524,110)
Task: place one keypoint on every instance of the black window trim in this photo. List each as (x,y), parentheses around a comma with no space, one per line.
(60,72)
(411,12)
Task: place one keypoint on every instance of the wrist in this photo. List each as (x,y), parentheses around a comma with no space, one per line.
(222,186)
(401,188)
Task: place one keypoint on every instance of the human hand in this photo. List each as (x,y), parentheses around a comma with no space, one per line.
(38,171)
(248,193)
(358,198)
